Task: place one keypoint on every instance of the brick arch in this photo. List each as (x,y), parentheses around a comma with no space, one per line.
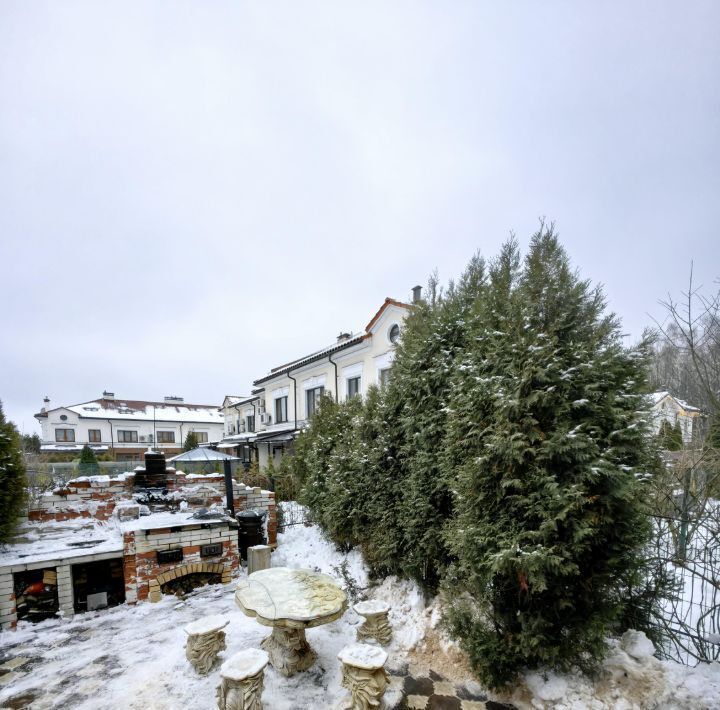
(181,571)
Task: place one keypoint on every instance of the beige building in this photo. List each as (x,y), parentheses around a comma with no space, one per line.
(667,408)
(265,423)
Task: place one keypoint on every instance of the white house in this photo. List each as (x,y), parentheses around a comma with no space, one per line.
(667,408)
(127,427)
(284,399)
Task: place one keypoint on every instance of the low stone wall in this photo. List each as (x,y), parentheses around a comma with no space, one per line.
(83,498)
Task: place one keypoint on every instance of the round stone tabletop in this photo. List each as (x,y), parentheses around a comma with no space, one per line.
(294,598)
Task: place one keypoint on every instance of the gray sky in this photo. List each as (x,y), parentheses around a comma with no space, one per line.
(193,192)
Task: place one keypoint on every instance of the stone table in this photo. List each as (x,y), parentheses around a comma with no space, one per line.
(290,601)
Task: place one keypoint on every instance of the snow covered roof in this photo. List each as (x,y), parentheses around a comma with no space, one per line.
(202,454)
(37,542)
(658,397)
(132,409)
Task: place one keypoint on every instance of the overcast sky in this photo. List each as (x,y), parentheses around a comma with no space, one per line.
(193,192)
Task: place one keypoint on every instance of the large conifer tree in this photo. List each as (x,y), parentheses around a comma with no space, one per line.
(546,444)
(12,477)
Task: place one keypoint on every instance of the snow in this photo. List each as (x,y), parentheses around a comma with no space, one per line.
(215,622)
(134,657)
(244,664)
(38,542)
(637,645)
(371,607)
(363,655)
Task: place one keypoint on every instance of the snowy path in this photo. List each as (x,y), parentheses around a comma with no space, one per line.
(133,656)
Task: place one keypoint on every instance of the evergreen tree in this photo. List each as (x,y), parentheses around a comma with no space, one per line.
(31,443)
(419,393)
(12,477)
(669,436)
(88,465)
(191,441)
(544,446)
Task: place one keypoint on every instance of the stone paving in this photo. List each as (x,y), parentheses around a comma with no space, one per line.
(434,692)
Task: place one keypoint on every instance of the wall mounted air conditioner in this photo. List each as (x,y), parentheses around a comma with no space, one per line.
(265,419)
(143,438)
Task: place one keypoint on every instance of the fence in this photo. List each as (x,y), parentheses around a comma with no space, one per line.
(688,549)
(291,513)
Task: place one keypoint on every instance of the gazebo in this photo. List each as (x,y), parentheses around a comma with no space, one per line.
(202,455)
(202,460)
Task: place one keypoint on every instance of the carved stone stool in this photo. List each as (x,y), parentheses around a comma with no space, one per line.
(376,625)
(364,676)
(206,639)
(242,681)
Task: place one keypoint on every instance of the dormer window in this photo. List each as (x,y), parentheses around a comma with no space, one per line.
(394,333)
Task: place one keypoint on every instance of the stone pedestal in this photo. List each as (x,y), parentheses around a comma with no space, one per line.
(258,558)
(364,675)
(206,639)
(289,651)
(241,682)
(376,625)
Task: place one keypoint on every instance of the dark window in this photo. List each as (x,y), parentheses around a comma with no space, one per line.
(312,400)
(64,435)
(384,377)
(394,333)
(281,410)
(250,422)
(201,436)
(353,387)
(166,437)
(126,437)
(94,436)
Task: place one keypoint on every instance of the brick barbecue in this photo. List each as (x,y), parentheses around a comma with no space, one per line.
(165,532)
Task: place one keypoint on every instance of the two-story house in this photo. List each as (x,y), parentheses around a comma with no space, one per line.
(126,428)
(283,400)
(670,409)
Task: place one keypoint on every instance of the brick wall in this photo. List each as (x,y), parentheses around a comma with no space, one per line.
(140,548)
(98,496)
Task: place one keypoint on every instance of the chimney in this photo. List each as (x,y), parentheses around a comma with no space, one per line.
(46,404)
(108,395)
(417,291)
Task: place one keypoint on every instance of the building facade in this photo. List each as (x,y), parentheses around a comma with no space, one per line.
(265,424)
(126,428)
(666,408)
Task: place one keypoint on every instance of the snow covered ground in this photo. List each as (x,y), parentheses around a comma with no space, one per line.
(133,656)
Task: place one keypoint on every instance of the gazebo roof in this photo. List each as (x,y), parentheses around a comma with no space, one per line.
(202,454)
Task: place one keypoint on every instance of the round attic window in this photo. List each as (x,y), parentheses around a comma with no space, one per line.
(63,417)
(394,333)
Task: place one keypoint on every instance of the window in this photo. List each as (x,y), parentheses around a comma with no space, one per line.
(165,437)
(394,333)
(281,410)
(384,377)
(64,435)
(126,437)
(63,417)
(250,422)
(312,400)
(201,436)
(353,387)
(94,436)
